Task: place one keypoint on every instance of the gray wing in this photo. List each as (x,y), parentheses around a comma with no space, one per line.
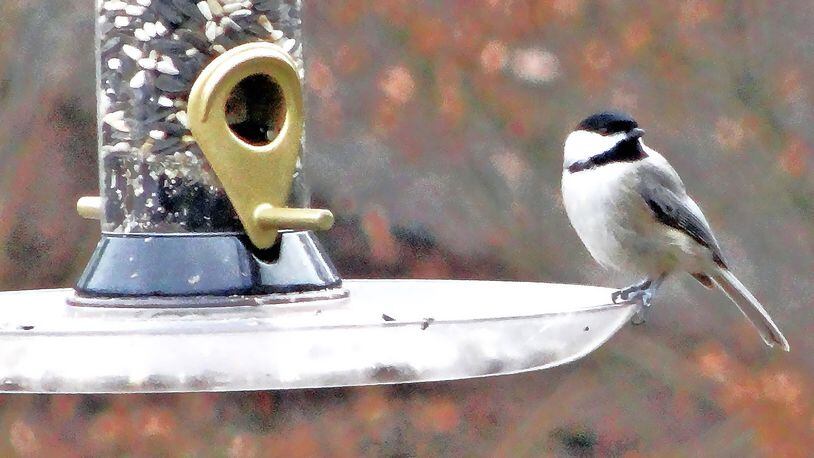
(677,210)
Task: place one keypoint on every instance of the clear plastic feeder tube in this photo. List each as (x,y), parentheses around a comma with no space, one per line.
(154,178)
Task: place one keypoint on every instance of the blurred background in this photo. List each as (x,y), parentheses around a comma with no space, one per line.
(435,132)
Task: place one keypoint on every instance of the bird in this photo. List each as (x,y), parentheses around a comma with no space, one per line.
(632,212)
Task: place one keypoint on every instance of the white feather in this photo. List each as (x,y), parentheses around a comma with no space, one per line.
(581,145)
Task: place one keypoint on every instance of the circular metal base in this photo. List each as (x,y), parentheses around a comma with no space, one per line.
(175,302)
(199,270)
(386,331)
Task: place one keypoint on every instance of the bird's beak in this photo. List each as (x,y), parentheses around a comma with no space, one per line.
(635,133)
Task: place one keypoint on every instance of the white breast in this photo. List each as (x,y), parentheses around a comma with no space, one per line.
(597,201)
(618,228)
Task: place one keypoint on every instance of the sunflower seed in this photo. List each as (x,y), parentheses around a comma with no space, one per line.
(165,101)
(138,80)
(181,116)
(141,35)
(158,134)
(169,84)
(203,7)
(121,22)
(264,21)
(215,7)
(134,10)
(228,23)
(150,29)
(169,12)
(147,63)
(195,39)
(109,45)
(114,5)
(169,46)
(232,7)
(188,8)
(211,31)
(288,44)
(121,147)
(166,66)
(132,52)
(240,13)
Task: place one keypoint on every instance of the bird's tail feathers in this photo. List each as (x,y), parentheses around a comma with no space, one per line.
(750,307)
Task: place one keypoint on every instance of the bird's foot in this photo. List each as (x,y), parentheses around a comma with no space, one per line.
(627,294)
(641,293)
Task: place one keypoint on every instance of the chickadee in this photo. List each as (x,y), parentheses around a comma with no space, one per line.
(632,212)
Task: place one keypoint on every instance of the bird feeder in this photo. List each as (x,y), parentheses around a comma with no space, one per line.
(208,275)
(200,149)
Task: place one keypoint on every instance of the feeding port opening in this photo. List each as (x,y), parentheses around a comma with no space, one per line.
(256,109)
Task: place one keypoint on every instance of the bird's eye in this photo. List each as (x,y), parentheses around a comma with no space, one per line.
(603,131)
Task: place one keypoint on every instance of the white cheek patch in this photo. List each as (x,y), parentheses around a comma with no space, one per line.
(582,145)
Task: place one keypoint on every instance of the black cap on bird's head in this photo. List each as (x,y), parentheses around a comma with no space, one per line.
(610,123)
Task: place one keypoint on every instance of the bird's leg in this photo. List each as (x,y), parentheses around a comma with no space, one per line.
(645,298)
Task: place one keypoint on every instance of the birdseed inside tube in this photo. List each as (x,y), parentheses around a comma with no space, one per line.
(154,178)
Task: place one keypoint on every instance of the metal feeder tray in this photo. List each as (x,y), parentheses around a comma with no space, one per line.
(382,332)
